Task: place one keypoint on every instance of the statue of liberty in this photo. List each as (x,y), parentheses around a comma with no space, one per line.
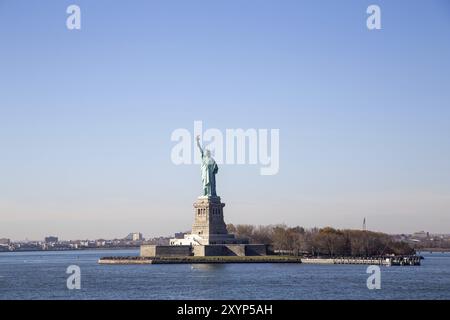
(209,170)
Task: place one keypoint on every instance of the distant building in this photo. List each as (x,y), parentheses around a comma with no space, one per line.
(421,235)
(84,243)
(51,239)
(187,240)
(134,236)
(179,235)
(5,242)
(160,241)
(100,243)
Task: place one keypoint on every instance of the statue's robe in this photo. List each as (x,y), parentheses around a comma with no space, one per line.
(209,170)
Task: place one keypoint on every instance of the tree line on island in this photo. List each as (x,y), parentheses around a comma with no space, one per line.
(322,241)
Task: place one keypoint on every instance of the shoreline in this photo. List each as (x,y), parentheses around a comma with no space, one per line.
(199,260)
(433,250)
(65,250)
(412,260)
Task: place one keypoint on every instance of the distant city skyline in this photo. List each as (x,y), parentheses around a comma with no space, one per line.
(86,116)
(419,234)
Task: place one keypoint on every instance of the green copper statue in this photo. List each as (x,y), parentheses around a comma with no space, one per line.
(209,170)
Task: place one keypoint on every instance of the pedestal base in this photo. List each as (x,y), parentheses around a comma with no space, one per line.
(209,226)
(204,250)
(209,236)
(230,250)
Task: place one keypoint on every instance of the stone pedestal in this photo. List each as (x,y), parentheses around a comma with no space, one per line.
(208,217)
(209,225)
(209,236)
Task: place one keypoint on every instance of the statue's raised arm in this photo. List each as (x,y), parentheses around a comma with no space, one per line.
(198,145)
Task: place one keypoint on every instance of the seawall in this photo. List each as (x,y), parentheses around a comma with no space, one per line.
(202,260)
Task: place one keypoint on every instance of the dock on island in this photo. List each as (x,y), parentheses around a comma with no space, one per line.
(412,260)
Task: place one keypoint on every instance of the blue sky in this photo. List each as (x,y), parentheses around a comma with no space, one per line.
(86,116)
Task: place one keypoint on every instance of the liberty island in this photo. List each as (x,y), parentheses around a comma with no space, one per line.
(209,241)
(209,235)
